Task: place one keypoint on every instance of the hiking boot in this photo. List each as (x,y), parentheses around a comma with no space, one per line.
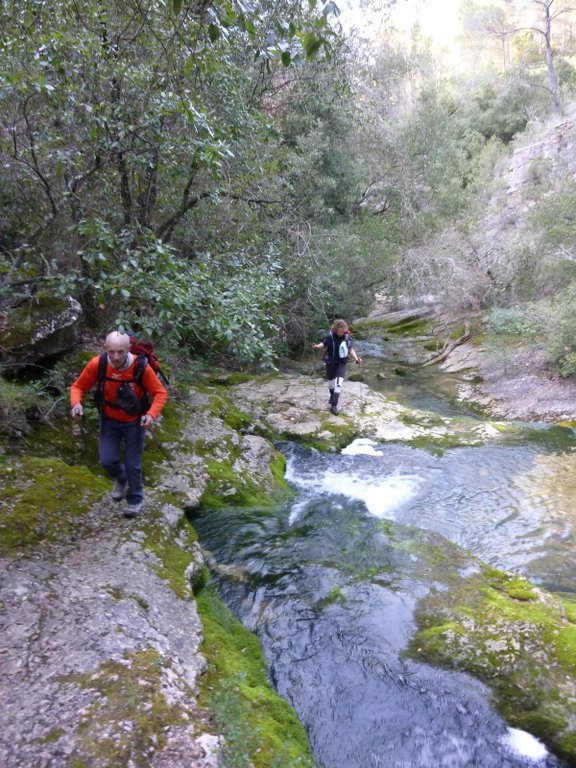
(119,490)
(334,410)
(132,510)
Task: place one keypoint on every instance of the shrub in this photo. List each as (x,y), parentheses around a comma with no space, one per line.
(560,331)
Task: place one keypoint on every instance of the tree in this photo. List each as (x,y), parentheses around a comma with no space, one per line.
(548,11)
(119,120)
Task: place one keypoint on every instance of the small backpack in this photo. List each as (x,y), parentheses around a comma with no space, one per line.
(146,348)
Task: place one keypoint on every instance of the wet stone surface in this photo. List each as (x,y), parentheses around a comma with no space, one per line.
(69,620)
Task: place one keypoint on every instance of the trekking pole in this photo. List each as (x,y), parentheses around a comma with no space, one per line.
(80,428)
(83,434)
(314,369)
(361,394)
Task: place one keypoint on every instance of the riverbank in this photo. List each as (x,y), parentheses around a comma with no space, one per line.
(520,387)
(502,378)
(113,651)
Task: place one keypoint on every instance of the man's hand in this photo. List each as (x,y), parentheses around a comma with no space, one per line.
(147,421)
(77,412)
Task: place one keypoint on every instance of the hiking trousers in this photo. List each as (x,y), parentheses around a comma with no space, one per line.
(127,464)
(335,373)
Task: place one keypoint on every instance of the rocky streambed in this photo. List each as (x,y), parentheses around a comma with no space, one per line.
(106,660)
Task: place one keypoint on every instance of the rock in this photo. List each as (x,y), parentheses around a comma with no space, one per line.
(195,572)
(77,634)
(462,358)
(182,749)
(42,328)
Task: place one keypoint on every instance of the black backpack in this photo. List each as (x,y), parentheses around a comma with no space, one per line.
(127,400)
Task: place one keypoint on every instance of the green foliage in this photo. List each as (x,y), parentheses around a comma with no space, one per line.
(15,402)
(342,268)
(39,400)
(554,218)
(501,321)
(315,123)
(223,303)
(437,165)
(559,329)
(122,121)
(501,108)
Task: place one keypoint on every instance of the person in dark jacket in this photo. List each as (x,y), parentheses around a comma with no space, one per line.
(338,346)
(120,427)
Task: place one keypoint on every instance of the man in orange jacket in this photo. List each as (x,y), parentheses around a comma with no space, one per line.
(117,425)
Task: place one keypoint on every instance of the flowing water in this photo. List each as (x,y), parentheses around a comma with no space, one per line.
(333,606)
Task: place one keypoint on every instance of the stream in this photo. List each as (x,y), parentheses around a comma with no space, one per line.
(333,607)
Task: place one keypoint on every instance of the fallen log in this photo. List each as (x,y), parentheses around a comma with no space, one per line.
(448,348)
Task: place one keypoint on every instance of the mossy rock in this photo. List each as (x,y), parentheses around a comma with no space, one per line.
(131,716)
(45,499)
(518,639)
(42,328)
(254,719)
(227,486)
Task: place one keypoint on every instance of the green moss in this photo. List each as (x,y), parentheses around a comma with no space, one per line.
(565,643)
(278,469)
(569,603)
(426,420)
(45,499)
(500,628)
(237,690)
(170,547)
(334,596)
(433,444)
(228,487)
(71,442)
(231,415)
(514,586)
(119,594)
(54,735)
(232,379)
(129,719)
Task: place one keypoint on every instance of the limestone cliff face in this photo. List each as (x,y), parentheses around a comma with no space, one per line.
(528,175)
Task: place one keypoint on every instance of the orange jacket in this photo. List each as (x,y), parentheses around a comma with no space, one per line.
(89,379)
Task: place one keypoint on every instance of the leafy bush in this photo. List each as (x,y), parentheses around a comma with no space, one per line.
(506,321)
(15,402)
(559,329)
(227,303)
(337,276)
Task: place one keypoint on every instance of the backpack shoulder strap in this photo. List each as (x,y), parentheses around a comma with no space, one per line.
(139,368)
(102,363)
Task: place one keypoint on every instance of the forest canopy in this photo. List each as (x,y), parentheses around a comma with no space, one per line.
(232,176)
